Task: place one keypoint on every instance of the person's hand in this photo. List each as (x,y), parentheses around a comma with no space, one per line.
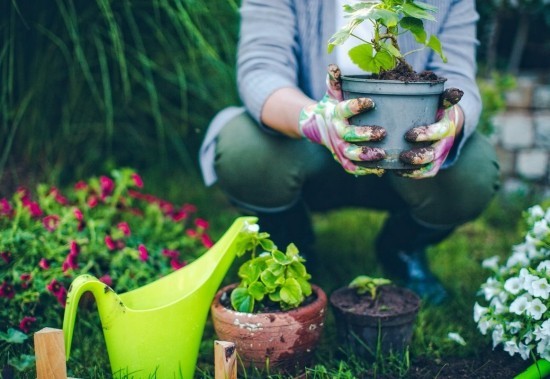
(326,123)
(441,134)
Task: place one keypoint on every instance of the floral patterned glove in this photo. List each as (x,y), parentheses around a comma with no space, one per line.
(326,123)
(442,134)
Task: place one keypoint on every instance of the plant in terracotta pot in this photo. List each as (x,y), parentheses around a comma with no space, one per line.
(374,317)
(274,315)
(403,98)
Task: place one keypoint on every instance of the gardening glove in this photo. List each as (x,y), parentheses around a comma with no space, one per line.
(326,123)
(442,134)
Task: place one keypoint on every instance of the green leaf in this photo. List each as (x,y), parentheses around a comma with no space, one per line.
(412,10)
(426,6)
(250,272)
(435,44)
(291,293)
(362,56)
(241,300)
(270,280)
(385,16)
(416,27)
(281,258)
(342,35)
(392,50)
(297,270)
(305,286)
(13,336)
(257,290)
(383,59)
(22,362)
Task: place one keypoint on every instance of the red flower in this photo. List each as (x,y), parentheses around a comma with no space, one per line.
(51,222)
(179,215)
(207,241)
(80,185)
(124,228)
(143,253)
(7,290)
(176,264)
(44,264)
(107,280)
(26,323)
(138,182)
(110,242)
(74,248)
(58,196)
(70,262)
(107,186)
(6,256)
(34,208)
(201,223)
(25,279)
(5,207)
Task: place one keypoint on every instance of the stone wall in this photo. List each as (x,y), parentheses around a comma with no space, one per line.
(522,135)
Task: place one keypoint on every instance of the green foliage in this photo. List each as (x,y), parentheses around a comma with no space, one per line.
(271,278)
(363,284)
(390,19)
(127,81)
(493,98)
(105,227)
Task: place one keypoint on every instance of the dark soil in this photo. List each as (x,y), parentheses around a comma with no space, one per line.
(407,74)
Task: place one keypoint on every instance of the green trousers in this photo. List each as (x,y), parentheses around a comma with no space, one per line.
(267,173)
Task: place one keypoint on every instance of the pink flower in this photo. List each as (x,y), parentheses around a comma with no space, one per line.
(7,290)
(143,253)
(201,223)
(124,228)
(80,185)
(170,253)
(107,186)
(34,208)
(58,196)
(51,222)
(207,241)
(74,248)
(44,264)
(5,207)
(92,201)
(179,216)
(110,242)
(107,280)
(25,278)
(69,263)
(6,256)
(26,323)
(166,207)
(176,264)
(78,214)
(58,290)
(189,208)
(191,233)
(138,182)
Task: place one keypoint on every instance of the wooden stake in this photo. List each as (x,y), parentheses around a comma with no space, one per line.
(49,349)
(225,360)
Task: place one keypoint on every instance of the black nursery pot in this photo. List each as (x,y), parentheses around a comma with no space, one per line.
(383,327)
(399,106)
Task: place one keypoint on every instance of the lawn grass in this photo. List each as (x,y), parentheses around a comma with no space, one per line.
(345,249)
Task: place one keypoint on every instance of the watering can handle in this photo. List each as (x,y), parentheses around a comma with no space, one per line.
(80,285)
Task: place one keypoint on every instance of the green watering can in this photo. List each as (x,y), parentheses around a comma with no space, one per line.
(155,331)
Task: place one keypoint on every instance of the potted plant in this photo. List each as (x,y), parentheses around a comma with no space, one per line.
(392,83)
(373,316)
(274,315)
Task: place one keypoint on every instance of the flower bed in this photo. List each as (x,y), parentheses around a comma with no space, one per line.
(106,226)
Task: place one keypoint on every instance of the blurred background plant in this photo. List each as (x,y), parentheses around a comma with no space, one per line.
(105,227)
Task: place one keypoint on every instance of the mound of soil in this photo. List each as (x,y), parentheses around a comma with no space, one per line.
(406,74)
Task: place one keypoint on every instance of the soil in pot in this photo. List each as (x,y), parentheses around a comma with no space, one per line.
(273,341)
(380,326)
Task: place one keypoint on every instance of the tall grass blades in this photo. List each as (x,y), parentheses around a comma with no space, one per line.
(97,83)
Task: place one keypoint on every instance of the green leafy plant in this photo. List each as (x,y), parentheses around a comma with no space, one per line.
(390,18)
(270,277)
(105,226)
(365,284)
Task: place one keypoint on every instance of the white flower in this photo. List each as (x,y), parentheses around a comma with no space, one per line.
(513,285)
(544,266)
(536,309)
(491,288)
(527,279)
(511,347)
(519,258)
(497,336)
(519,305)
(484,324)
(540,229)
(456,338)
(542,331)
(251,228)
(479,311)
(524,350)
(536,211)
(491,263)
(540,288)
(514,327)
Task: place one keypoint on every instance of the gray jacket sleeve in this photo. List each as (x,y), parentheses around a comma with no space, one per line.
(266,59)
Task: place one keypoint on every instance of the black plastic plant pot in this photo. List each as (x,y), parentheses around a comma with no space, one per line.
(382,327)
(399,106)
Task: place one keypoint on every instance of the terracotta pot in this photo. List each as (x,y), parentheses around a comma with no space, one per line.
(280,341)
(370,328)
(399,107)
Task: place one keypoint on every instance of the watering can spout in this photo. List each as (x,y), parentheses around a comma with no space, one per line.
(108,302)
(156,330)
